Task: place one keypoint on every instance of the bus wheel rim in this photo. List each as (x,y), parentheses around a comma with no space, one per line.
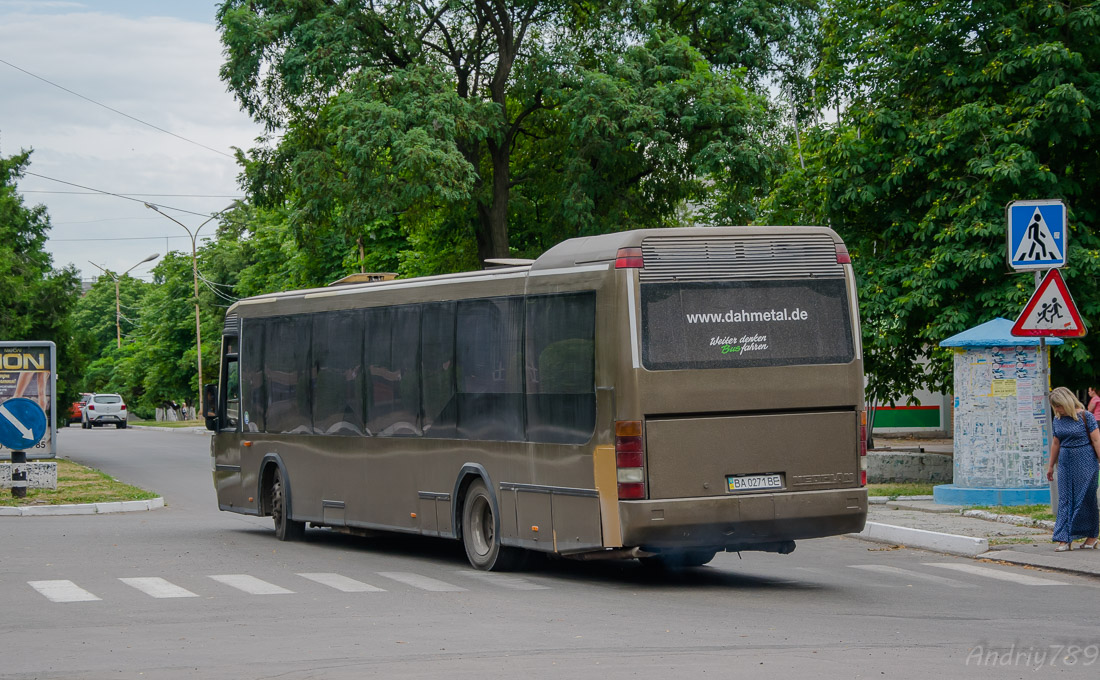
(483,526)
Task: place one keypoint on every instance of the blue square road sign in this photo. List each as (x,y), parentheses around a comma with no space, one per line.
(1037,235)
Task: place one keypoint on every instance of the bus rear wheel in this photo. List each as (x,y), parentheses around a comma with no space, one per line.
(481,533)
(286,529)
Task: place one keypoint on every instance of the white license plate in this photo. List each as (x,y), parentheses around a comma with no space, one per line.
(754,482)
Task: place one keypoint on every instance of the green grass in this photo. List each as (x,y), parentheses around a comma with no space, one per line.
(895,490)
(1032,511)
(78,484)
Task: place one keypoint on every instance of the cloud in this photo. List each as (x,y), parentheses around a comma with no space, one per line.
(162,70)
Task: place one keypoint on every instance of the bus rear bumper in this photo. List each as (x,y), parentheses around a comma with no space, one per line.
(741,522)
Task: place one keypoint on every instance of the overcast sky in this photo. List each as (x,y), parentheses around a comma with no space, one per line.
(154,60)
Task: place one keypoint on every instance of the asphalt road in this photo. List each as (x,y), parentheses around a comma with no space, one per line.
(190,592)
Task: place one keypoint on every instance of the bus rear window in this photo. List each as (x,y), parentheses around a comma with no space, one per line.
(728,324)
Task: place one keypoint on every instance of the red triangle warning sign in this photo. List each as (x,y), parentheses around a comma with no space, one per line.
(1050,311)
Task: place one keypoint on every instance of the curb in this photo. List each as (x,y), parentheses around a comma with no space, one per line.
(151,428)
(1019,520)
(883,500)
(1050,562)
(920,538)
(83,508)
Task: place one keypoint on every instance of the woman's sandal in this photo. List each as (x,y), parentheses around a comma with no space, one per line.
(1062,547)
(1089,546)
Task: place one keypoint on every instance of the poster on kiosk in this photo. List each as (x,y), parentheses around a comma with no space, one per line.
(28,405)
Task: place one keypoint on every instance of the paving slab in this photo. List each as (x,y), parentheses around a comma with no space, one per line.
(1084,562)
(949,523)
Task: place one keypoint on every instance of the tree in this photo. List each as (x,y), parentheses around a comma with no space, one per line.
(36,299)
(450,122)
(949,110)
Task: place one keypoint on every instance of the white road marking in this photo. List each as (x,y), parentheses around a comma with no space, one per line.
(827,575)
(157,587)
(422,582)
(502,580)
(62,591)
(910,574)
(1022,579)
(251,584)
(23,429)
(342,583)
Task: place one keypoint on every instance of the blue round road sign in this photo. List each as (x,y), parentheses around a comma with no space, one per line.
(22,424)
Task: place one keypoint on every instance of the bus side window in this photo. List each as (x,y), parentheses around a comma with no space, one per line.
(232,394)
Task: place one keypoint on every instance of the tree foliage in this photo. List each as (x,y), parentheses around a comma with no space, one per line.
(35,298)
(949,110)
(446,132)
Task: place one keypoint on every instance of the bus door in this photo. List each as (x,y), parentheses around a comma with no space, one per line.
(226,445)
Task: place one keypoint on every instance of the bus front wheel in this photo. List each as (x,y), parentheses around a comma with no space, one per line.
(286,529)
(480,534)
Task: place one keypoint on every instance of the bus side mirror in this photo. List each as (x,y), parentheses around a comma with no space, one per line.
(210,406)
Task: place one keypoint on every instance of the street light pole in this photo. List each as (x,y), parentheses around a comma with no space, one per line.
(118,305)
(195,274)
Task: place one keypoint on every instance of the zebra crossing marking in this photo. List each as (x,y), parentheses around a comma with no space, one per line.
(62,591)
(1021,579)
(251,584)
(342,583)
(422,582)
(502,580)
(910,574)
(157,587)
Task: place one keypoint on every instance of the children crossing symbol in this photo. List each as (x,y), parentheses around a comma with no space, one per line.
(1050,311)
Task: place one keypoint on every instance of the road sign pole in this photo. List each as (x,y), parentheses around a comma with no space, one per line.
(1044,372)
(18,474)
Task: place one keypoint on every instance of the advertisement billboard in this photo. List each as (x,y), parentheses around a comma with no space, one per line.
(28,373)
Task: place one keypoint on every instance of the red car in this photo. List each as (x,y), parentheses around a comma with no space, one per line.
(76,411)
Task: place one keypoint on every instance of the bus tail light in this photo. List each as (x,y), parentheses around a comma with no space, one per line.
(863,448)
(630,458)
(842,256)
(629,258)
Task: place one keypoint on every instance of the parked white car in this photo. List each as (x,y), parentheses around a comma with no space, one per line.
(104,409)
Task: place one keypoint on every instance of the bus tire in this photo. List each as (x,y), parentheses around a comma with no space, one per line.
(286,529)
(481,533)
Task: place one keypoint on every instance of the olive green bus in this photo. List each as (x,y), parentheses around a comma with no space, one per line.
(659,394)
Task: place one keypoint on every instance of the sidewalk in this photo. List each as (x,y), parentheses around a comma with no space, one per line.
(918,522)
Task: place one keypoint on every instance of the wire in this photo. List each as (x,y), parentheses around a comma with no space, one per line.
(138,120)
(215,291)
(118,238)
(105,219)
(110,193)
(90,193)
(214,283)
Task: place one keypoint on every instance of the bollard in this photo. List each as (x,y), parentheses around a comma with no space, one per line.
(18,474)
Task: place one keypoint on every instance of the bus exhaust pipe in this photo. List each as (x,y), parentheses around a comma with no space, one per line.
(612,554)
(781,547)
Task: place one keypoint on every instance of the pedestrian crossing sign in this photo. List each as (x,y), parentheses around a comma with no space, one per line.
(1050,311)
(1037,234)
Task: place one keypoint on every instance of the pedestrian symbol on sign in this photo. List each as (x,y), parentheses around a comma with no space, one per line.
(1037,237)
(1038,243)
